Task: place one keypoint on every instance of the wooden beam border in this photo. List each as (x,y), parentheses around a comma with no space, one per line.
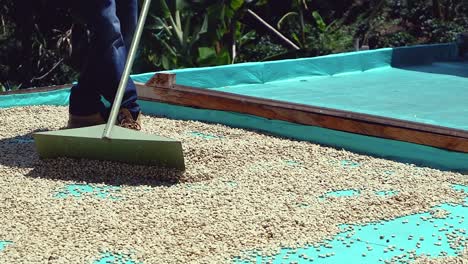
(363,124)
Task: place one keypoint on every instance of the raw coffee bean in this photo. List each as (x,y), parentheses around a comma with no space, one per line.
(238,194)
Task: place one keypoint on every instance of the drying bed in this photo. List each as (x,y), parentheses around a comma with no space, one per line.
(411,95)
(245,197)
(424,84)
(404,104)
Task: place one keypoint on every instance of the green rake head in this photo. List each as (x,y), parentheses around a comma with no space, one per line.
(126,146)
(110,142)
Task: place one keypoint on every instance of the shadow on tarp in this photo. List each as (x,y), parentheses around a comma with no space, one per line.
(104,172)
(451,68)
(20,152)
(435,59)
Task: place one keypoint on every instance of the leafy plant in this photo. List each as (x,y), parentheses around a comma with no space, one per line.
(191,34)
(317,37)
(260,49)
(300,7)
(33,45)
(331,38)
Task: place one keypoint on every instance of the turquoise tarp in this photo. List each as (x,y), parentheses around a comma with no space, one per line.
(422,83)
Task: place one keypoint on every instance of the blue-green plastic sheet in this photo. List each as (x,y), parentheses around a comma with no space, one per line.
(425,84)
(381,242)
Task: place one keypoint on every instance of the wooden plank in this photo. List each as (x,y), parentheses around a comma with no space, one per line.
(383,127)
(429,135)
(167,80)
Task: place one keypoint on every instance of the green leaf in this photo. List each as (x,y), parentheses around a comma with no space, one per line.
(165,62)
(176,27)
(206,53)
(236,4)
(296,37)
(223,58)
(159,24)
(186,32)
(198,32)
(169,48)
(178,5)
(249,36)
(284,18)
(162,8)
(204,27)
(319,21)
(207,57)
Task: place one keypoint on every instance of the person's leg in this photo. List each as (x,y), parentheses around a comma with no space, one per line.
(106,59)
(127,12)
(85,99)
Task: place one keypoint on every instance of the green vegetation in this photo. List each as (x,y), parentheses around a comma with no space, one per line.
(40,44)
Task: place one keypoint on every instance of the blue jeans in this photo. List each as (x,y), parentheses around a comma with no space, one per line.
(112,24)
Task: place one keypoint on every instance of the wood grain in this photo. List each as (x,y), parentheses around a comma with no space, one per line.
(167,80)
(376,126)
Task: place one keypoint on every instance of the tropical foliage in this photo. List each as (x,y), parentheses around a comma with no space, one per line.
(41,45)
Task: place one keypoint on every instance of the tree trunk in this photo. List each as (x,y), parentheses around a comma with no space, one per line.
(24,18)
(436,9)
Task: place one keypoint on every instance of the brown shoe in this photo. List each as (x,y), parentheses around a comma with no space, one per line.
(75,121)
(125,119)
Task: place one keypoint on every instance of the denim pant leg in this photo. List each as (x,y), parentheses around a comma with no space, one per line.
(127,12)
(105,61)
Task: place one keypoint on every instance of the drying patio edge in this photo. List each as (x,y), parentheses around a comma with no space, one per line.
(390,149)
